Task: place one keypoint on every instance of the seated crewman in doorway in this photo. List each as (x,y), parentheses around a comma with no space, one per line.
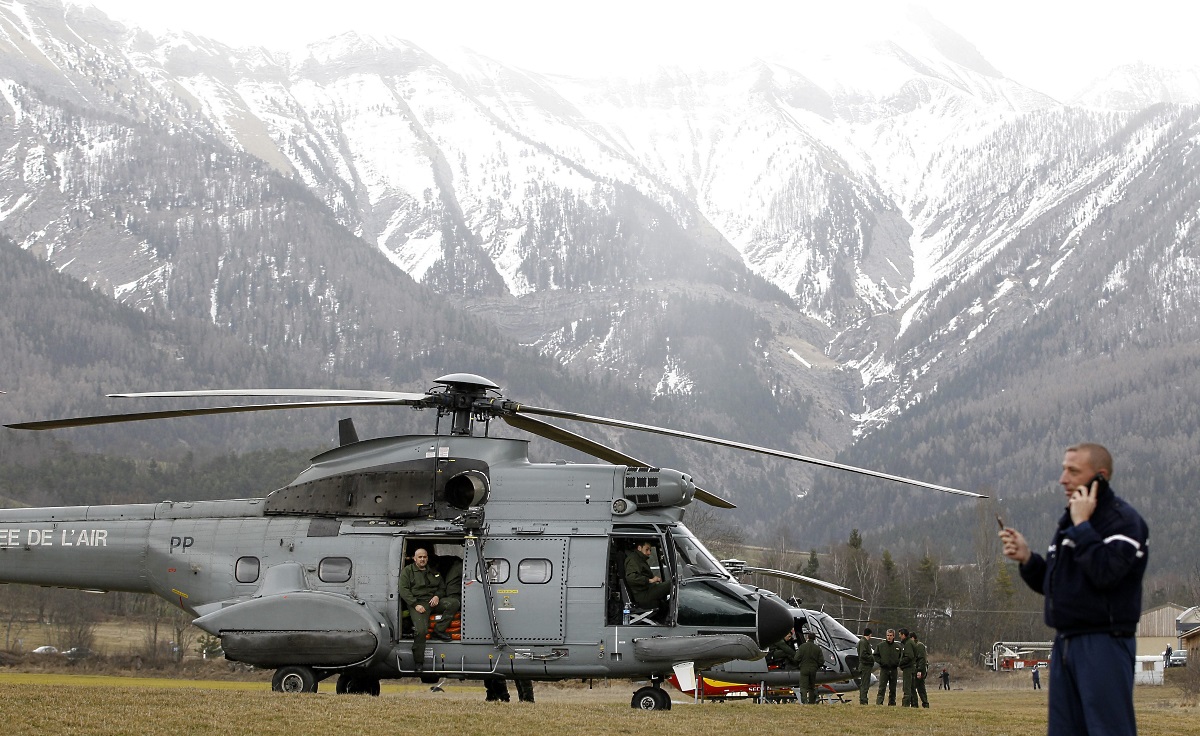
(422,589)
(645,588)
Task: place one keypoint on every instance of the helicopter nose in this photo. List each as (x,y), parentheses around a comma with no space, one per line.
(774,620)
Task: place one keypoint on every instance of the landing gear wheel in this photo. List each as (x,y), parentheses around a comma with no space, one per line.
(651,698)
(348,684)
(294,679)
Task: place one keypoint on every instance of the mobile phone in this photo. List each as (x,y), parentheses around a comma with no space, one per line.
(1100,481)
(1000,522)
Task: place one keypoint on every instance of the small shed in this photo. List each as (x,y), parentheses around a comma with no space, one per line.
(1157,629)
(1148,669)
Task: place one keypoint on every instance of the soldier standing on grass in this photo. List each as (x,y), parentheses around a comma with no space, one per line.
(908,663)
(811,660)
(888,656)
(866,663)
(921,671)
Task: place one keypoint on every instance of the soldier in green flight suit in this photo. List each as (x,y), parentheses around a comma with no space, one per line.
(920,671)
(866,663)
(908,662)
(422,589)
(811,660)
(785,653)
(645,588)
(888,656)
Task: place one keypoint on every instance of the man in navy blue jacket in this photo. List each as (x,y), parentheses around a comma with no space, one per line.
(1092,580)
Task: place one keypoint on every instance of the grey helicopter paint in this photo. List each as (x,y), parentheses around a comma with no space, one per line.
(305,580)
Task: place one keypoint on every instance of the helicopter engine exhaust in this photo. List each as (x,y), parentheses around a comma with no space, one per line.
(467,489)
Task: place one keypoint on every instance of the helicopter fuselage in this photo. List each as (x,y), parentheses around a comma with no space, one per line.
(309,575)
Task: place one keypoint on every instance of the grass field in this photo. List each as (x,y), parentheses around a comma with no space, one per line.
(57,703)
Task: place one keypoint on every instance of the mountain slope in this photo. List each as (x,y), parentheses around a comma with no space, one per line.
(812,253)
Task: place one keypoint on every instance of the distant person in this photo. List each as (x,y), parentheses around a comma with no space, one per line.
(645,588)
(811,660)
(945,677)
(888,656)
(1167,656)
(920,671)
(1037,678)
(866,663)
(1092,580)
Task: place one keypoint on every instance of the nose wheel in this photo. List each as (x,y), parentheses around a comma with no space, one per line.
(651,697)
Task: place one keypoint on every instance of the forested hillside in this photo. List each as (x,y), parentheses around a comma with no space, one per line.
(1003,423)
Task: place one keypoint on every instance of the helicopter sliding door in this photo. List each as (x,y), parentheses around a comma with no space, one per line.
(523,599)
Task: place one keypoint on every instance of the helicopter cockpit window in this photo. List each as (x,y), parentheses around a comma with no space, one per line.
(334,569)
(842,637)
(695,559)
(245,570)
(535,571)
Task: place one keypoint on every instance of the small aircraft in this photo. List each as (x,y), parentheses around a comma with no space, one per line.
(305,580)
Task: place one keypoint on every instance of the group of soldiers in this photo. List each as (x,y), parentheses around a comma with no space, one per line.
(906,655)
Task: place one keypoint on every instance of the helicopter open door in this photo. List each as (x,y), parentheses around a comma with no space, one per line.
(523,594)
(662,555)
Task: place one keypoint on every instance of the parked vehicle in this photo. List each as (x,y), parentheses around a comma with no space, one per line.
(1178,659)
(46,649)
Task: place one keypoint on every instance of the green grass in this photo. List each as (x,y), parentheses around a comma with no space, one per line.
(54,703)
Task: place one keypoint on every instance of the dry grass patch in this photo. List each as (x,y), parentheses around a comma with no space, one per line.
(64,704)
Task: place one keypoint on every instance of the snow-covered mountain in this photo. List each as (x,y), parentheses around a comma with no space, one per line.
(838,235)
(1133,87)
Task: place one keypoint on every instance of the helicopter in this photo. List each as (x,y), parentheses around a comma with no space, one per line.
(764,680)
(305,580)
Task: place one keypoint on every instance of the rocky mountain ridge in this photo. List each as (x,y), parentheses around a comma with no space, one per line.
(793,252)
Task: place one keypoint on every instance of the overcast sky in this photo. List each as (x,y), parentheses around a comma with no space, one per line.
(1051,45)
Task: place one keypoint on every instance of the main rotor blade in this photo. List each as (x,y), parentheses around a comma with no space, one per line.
(599,451)
(169,414)
(343,393)
(838,590)
(736,445)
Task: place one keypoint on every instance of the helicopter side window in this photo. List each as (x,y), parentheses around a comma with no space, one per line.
(245,570)
(335,569)
(497,570)
(535,571)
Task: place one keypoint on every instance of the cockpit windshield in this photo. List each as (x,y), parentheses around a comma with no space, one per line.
(694,559)
(842,637)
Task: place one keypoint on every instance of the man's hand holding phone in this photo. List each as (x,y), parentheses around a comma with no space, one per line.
(1082,503)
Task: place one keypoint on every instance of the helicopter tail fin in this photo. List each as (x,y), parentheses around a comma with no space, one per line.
(347,435)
